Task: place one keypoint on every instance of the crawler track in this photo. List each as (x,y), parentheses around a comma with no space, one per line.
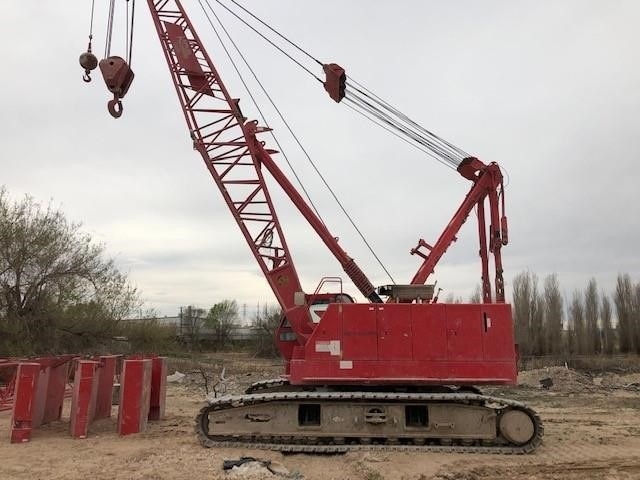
(244,420)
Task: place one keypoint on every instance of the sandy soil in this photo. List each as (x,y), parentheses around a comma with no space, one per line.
(592,431)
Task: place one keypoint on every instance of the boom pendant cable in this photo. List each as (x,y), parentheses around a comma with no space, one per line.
(262,116)
(367,102)
(269,41)
(312,163)
(108,36)
(279,34)
(356,108)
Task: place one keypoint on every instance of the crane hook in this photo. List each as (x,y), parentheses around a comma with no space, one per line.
(115,107)
(88,61)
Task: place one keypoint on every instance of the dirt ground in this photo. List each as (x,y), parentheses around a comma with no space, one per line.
(592,431)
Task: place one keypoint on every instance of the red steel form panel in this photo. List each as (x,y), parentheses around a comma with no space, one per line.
(135,389)
(24,402)
(158,391)
(83,400)
(106,374)
(8,369)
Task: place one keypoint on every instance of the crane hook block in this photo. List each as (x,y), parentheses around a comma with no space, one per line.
(336,81)
(118,76)
(89,62)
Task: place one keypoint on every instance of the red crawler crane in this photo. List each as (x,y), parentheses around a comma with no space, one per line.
(397,371)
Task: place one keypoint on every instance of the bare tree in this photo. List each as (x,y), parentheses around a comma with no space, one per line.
(591,305)
(476,296)
(623,299)
(635,316)
(577,343)
(607,332)
(451,298)
(553,315)
(537,335)
(221,318)
(528,313)
(521,311)
(191,323)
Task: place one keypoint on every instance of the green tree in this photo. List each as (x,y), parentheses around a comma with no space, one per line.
(58,292)
(221,318)
(265,325)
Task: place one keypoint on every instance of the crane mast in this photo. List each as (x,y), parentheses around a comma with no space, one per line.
(234,157)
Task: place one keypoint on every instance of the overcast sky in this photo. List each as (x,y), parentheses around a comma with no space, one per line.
(548,89)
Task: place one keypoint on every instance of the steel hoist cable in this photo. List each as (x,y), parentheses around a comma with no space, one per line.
(304,150)
(269,41)
(109,34)
(279,34)
(262,116)
(367,103)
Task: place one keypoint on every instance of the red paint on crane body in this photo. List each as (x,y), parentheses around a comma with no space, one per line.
(405,343)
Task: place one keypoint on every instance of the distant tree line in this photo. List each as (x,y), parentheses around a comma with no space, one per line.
(212,329)
(588,322)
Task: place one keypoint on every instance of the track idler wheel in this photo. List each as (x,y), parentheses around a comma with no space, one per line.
(516,426)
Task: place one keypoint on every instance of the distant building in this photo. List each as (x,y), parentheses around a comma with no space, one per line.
(185,325)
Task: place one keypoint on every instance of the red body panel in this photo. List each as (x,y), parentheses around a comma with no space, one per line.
(409,343)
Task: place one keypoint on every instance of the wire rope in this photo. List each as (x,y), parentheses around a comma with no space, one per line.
(278,33)
(126,32)
(427,143)
(356,108)
(133,13)
(314,166)
(367,100)
(93,4)
(107,44)
(262,116)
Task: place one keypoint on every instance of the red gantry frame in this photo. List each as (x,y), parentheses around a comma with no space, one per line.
(377,342)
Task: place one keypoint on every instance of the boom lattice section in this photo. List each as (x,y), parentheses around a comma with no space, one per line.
(227,144)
